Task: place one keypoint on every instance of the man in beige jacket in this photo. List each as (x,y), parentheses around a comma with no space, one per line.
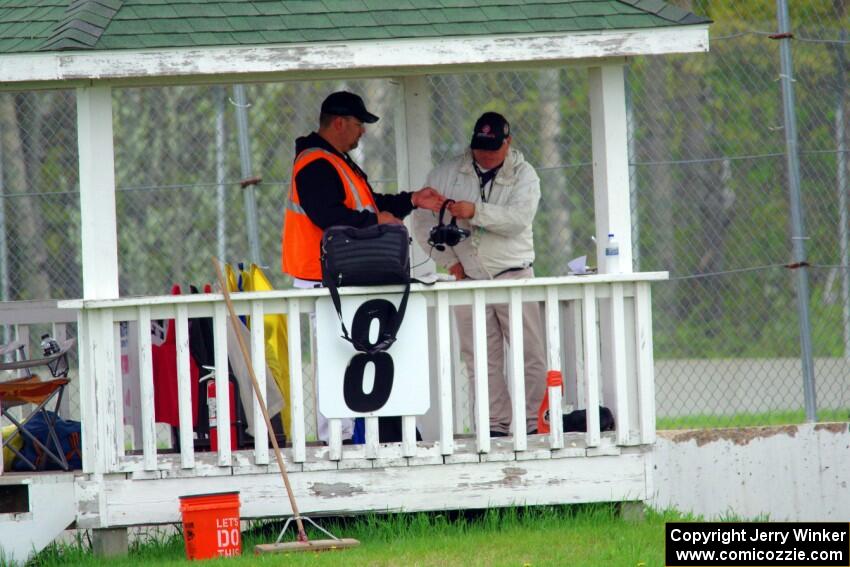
(496,193)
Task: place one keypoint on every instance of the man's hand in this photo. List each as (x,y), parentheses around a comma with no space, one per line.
(457,271)
(462,209)
(427,198)
(388,218)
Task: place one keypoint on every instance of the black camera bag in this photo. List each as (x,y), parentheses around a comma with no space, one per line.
(375,255)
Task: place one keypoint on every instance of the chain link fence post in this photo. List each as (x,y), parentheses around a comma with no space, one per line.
(798,232)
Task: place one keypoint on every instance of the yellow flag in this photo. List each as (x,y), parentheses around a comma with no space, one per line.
(230,277)
(277,346)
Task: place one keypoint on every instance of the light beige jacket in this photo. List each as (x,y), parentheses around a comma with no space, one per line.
(502,236)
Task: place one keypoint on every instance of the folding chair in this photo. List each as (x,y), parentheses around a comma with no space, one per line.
(32,390)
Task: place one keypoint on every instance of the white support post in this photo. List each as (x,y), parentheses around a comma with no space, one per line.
(413,148)
(97,193)
(88,395)
(103,370)
(610,163)
(612,213)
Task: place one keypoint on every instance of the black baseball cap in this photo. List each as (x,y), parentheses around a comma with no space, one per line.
(343,103)
(490,132)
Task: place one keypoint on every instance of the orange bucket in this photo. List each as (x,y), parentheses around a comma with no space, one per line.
(211,525)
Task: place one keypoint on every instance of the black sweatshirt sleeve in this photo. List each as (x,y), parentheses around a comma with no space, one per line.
(399,204)
(322,196)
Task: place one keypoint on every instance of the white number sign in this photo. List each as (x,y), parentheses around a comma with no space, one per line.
(357,384)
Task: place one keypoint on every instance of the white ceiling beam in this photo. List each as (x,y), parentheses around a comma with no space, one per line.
(397,57)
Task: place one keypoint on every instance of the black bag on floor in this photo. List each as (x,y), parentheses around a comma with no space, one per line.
(375,255)
(577,420)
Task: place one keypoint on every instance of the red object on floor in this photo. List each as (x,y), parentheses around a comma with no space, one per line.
(164,358)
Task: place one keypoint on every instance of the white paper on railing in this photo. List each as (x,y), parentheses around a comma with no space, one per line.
(355,384)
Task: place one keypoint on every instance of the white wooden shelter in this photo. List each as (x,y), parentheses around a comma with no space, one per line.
(598,327)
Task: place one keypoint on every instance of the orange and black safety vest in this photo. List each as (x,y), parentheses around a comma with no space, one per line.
(301,239)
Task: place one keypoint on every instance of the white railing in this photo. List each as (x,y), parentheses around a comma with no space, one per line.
(598,331)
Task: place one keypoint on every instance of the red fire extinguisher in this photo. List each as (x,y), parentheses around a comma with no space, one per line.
(211,407)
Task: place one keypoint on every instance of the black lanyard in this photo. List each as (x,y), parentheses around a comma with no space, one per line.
(485,177)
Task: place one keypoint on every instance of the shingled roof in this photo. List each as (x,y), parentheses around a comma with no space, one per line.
(86,25)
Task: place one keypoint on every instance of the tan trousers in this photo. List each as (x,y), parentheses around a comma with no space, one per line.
(498,330)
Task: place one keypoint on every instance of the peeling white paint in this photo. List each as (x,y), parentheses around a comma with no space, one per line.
(786,473)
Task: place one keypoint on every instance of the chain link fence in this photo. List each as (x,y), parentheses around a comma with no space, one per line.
(709,194)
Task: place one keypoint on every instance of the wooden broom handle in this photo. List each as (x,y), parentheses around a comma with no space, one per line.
(234,320)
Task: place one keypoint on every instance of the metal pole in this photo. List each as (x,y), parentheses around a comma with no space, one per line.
(841,182)
(220,140)
(4,247)
(245,159)
(797,229)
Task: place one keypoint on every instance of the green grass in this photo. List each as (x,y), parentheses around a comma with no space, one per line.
(748,419)
(579,535)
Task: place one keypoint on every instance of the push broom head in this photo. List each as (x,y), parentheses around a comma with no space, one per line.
(303,543)
(314,545)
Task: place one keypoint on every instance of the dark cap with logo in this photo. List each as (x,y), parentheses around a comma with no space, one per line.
(343,103)
(490,132)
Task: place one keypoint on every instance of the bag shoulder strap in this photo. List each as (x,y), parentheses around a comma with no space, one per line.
(331,285)
(387,338)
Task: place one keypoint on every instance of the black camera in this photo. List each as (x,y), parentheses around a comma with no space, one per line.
(449,234)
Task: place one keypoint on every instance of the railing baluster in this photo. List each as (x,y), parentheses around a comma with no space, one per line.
(444,374)
(296,381)
(517,370)
(591,364)
(119,407)
(184,385)
(645,371)
(334,439)
(618,336)
(258,357)
(408,435)
(88,393)
(107,392)
(146,389)
(553,353)
(482,394)
(221,324)
(371,437)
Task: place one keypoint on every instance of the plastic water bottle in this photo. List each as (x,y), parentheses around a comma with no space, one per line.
(612,255)
(49,345)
